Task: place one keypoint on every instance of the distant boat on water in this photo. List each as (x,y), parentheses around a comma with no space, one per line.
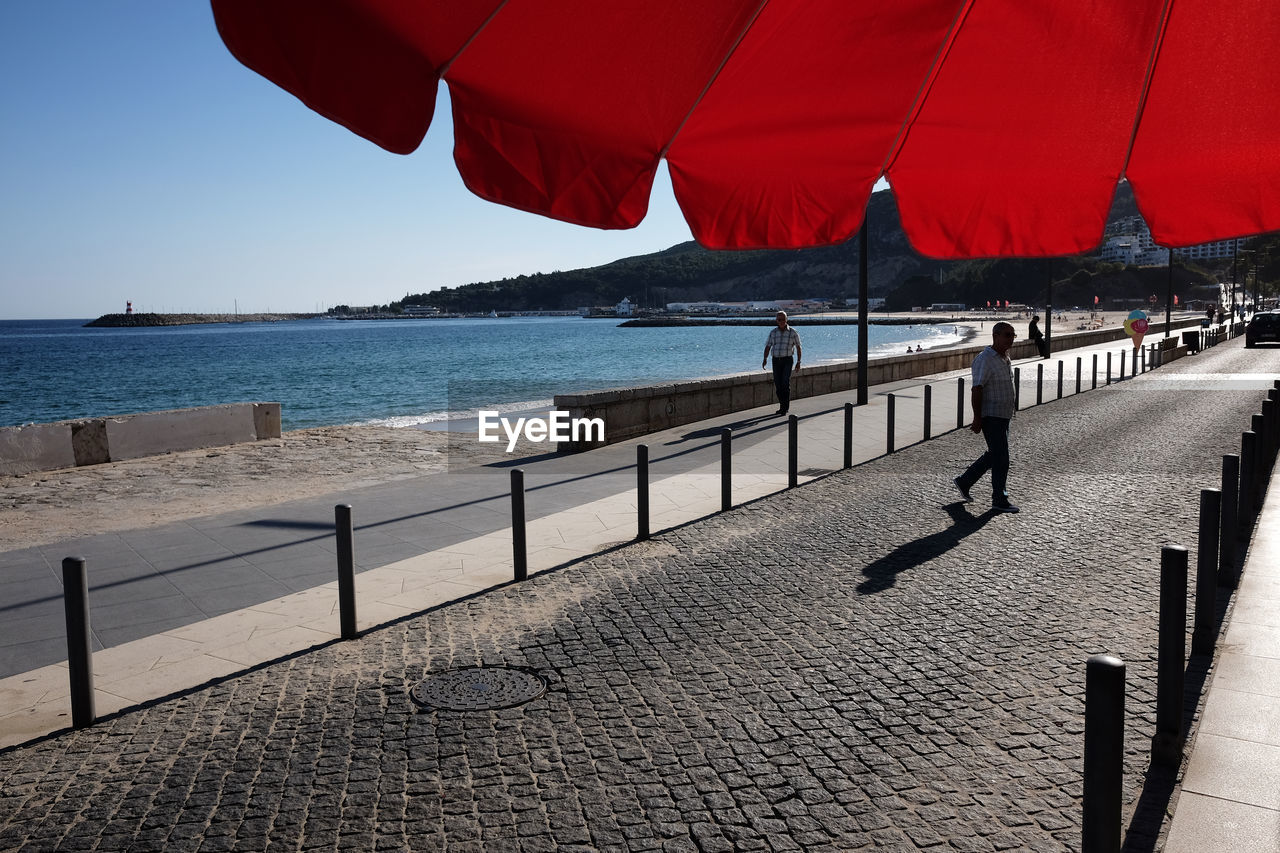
(493,314)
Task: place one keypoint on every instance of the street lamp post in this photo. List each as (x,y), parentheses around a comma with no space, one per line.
(1244,284)
(1048,314)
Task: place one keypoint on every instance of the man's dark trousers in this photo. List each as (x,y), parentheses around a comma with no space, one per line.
(995,460)
(782,381)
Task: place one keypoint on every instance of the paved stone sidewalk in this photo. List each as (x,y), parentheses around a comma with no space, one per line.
(856,665)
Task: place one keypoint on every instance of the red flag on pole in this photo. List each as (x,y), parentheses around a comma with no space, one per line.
(988,303)
(1175,299)
(1095,300)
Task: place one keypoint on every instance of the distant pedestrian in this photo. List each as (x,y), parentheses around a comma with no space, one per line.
(782,341)
(993,403)
(919,348)
(1033,332)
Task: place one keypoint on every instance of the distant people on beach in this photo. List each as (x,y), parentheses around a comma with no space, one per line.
(919,348)
(1037,336)
(780,344)
(993,402)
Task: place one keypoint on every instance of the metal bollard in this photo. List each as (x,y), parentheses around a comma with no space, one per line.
(344,530)
(1094,383)
(1017,388)
(1166,744)
(888,437)
(793,452)
(726,469)
(1103,754)
(642,492)
(1206,572)
(1108,368)
(1229,525)
(1269,435)
(75,603)
(519,549)
(848,435)
(1059,380)
(928,411)
(1143,351)
(1248,462)
(1079,375)
(1123,354)
(1273,396)
(1259,460)
(1039,384)
(960,403)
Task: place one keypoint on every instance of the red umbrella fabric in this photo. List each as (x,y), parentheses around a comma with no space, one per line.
(1002,125)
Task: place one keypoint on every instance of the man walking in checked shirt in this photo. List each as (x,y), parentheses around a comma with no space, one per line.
(782,341)
(993,404)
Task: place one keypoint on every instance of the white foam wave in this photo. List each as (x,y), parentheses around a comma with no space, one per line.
(402,421)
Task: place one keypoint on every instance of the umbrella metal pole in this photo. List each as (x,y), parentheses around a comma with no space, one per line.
(862,311)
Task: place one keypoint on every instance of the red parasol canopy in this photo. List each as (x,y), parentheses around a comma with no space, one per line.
(1002,125)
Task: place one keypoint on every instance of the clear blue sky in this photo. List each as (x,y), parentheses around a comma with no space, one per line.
(140,161)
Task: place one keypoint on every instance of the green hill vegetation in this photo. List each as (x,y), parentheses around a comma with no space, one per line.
(687,272)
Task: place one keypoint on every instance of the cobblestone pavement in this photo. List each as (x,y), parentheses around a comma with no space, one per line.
(856,665)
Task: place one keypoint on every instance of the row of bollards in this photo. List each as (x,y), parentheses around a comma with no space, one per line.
(1227,515)
(75,580)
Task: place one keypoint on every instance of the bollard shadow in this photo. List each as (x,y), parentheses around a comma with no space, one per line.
(527,460)
(714,432)
(748,426)
(883,573)
(286,524)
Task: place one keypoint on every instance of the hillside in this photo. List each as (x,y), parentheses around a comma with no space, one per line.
(688,272)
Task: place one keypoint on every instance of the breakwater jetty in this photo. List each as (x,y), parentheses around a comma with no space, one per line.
(148,319)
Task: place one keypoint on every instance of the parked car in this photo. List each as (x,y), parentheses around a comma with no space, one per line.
(1263,326)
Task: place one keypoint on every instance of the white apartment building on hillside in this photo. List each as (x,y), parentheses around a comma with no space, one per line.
(1128,241)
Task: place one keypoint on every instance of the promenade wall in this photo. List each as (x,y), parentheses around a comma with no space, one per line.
(631,412)
(90,441)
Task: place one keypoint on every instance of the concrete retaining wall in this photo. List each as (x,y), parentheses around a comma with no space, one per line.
(66,444)
(631,412)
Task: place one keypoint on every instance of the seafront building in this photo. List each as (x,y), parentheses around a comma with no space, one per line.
(1128,241)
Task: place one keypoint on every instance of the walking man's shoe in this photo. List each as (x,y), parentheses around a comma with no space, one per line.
(964,493)
(1004,507)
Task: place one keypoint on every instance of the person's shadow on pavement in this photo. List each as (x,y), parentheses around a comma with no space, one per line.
(883,573)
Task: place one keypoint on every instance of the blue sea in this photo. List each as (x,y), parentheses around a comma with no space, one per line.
(392,372)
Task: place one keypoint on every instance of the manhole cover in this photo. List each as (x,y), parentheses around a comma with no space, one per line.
(479,688)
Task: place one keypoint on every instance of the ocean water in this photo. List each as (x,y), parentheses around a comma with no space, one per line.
(394,372)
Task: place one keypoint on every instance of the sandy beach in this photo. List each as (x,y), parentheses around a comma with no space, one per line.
(48,506)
